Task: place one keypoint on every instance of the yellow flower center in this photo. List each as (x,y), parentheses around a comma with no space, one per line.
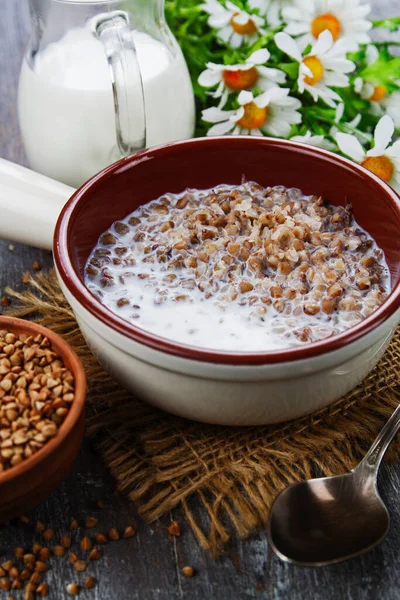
(380,165)
(240,80)
(378,94)
(316,68)
(247,29)
(253,117)
(324,22)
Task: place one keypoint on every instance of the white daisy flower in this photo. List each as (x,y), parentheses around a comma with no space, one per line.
(383,159)
(378,95)
(235,26)
(241,77)
(314,140)
(271,113)
(270,9)
(366,89)
(324,66)
(345,19)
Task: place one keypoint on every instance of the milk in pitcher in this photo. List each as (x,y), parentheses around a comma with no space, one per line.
(66,106)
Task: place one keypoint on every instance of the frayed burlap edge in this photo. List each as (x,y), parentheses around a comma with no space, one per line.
(162,462)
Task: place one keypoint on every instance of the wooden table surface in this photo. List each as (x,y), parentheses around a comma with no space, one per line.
(147,567)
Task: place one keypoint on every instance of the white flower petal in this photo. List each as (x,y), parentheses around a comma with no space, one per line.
(372,54)
(314,140)
(215,67)
(339,112)
(237,115)
(350,145)
(325,92)
(339,64)
(333,131)
(339,49)
(242,18)
(209,78)
(212,7)
(296,28)
(288,45)
(219,20)
(392,106)
(218,91)
(215,115)
(304,40)
(394,150)
(259,22)
(236,40)
(336,79)
(276,127)
(224,98)
(324,43)
(261,5)
(305,70)
(293,13)
(362,10)
(363,38)
(329,101)
(350,45)
(226,33)
(245,97)
(354,122)
(232,7)
(273,12)
(382,136)
(259,57)
(287,102)
(221,128)
(367,90)
(256,132)
(358,84)
(272,73)
(238,67)
(273,95)
(289,115)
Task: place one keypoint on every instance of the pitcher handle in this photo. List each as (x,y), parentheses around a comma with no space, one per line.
(114,31)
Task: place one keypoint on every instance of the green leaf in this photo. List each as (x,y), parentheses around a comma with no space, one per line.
(292,69)
(392,23)
(382,71)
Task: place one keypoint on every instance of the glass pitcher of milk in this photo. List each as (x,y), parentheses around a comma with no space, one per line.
(100,80)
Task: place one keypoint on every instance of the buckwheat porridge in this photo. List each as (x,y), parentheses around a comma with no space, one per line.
(239,268)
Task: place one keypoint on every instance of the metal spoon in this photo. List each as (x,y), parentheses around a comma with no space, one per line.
(327,520)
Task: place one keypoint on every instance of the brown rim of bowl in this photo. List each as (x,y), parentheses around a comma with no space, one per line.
(72,281)
(62,348)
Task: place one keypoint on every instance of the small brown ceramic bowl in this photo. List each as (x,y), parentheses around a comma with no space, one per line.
(26,485)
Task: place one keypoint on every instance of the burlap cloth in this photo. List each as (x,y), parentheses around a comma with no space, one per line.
(230,476)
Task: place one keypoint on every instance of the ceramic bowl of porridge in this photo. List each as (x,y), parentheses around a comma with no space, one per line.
(234,280)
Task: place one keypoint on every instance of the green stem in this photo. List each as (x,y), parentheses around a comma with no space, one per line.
(388,43)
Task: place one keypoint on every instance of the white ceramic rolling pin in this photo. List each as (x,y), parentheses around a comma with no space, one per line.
(29,205)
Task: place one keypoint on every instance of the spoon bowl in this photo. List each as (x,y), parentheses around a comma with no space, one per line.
(327,520)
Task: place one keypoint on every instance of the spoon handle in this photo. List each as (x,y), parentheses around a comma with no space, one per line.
(371,461)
